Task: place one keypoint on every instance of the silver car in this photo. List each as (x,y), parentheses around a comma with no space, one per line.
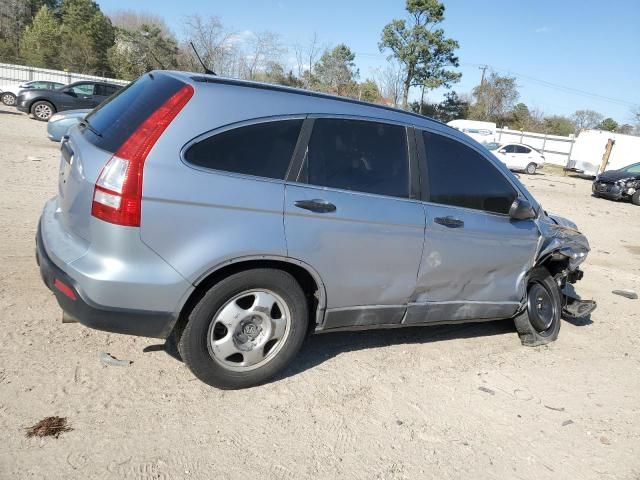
(238,216)
(60,123)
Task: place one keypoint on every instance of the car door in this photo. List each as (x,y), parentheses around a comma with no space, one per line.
(79,95)
(101,93)
(350,215)
(526,156)
(475,256)
(509,156)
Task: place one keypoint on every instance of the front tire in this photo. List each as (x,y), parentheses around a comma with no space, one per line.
(8,98)
(531,168)
(42,110)
(539,324)
(245,329)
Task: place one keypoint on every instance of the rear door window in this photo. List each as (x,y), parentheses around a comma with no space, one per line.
(83,89)
(522,149)
(362,156)
(459,176)
(261,149)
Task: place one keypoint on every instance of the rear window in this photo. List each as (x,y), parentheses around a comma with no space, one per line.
(115,120)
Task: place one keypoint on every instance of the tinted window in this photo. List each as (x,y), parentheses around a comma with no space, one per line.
(262,149)
(509,149)
(83,89)
(522,149)
(635,168)
(357,155)
(118,117)
(460,176)
(105,90)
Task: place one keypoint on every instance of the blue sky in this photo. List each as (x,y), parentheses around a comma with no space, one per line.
(593,48)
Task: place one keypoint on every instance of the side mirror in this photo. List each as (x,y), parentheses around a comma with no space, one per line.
(521,209)
(70,92)
(502,151)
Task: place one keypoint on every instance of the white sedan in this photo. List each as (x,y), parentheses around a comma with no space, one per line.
(520,157)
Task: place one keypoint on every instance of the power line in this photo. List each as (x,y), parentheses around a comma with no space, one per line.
(557,86)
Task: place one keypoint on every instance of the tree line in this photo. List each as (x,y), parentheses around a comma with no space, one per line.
(75,35)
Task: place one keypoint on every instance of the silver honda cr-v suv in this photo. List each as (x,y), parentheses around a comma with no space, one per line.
(239,216)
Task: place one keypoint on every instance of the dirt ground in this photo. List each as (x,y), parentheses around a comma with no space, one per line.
(444,402)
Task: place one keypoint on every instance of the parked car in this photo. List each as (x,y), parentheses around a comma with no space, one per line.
(60,123)
(622,184)
(237,229)
(42,104)
(491,146)
(9,93)
(520,157)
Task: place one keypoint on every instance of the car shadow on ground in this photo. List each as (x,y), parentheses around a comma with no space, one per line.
(319,348)
(9,113)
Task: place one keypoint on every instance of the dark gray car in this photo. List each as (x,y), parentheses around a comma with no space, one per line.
(42,104)
(238,216)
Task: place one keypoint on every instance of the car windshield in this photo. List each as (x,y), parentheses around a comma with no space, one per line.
(635,168)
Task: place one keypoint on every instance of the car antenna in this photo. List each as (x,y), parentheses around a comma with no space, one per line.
(206,70)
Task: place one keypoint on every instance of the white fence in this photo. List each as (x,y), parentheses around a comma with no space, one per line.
(556,149)
(10,74)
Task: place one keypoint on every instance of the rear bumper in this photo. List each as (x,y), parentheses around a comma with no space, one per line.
(77,305)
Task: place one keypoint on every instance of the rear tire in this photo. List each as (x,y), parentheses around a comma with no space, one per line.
(42,110)
(8,98)
(635,199)
(539,324)
(531,168)
(245,329)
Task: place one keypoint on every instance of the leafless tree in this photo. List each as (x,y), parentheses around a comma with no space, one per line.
(389,81)
(306,57)
(133,20)
(584,119)
(213,42)
(260,50)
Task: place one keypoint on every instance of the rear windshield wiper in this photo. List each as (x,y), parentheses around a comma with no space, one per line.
(84,122)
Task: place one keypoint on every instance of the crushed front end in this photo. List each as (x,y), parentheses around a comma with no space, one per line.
(562,249)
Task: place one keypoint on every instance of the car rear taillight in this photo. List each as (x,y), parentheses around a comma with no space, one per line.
(117,197)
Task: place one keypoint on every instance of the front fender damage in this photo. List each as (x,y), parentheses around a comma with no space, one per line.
(562,249)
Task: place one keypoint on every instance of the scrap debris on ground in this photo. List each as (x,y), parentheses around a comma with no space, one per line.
(49,427)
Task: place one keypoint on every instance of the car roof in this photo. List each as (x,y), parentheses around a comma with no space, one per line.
(96,82)
(383,111)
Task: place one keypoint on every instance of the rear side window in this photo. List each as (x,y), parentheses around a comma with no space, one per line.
(260,149)
(461,177)
(83,89)
(116,119)
(105,90)
(522,149)
(359,155)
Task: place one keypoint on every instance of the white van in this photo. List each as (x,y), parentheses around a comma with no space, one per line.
(590,145)
(482,132)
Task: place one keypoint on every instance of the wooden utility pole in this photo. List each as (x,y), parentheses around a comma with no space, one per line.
(484,69)
(607,154)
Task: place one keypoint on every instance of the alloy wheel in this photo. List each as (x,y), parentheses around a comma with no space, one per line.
(249,330)
(42,111)
(8,99)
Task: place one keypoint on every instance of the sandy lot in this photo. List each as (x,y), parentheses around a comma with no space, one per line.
(445,402)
